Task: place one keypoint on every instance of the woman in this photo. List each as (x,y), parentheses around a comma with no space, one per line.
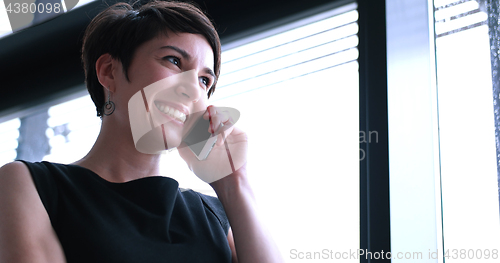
(111,206)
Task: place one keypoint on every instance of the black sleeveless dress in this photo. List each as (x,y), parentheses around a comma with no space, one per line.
(144,220)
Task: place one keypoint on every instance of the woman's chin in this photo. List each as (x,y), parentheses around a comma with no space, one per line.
(157,141)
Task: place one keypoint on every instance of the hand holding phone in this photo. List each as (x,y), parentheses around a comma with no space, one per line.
(220,153)
(202,136)
(199,140)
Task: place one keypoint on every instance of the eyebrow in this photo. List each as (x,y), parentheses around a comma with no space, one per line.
(181,51)
(186,56)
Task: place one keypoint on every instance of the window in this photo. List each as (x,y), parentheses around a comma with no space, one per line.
(296,87)
(443,172)
(466,127)
(297,92)
(9,134)
(72,130)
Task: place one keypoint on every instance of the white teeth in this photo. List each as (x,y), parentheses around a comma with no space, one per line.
(177,114)
(171,112)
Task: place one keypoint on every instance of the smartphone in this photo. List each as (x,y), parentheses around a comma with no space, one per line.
(199,140)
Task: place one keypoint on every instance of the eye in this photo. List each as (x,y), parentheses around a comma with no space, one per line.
(205,81)
(174,60)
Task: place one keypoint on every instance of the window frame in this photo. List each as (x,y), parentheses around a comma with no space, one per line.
(374,170)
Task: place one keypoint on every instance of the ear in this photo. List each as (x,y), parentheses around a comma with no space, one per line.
(105,68)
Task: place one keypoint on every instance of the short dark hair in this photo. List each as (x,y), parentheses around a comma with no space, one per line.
(122,27)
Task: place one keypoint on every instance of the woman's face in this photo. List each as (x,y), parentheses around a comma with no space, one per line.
(169,79)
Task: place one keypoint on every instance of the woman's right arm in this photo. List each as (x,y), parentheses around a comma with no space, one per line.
(26,234)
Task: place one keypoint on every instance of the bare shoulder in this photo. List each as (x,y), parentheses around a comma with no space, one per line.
(14,173)
(16,186)
(14,167)
(26,234)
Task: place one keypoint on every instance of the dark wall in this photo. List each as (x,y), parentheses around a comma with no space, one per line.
(43,61)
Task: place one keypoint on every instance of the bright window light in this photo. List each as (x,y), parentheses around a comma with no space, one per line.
(470,198)
(297,92)
(461,22)
(290,36)
(9,133)
(440,3)
(73,129)
(446,13)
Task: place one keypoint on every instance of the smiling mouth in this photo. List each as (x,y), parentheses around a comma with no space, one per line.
(176,114)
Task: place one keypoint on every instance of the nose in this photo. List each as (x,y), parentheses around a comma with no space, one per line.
(189,87)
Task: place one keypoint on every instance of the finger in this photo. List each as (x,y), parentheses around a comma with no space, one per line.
(221,123)
(217,119)
(224,133)
(222,115)
(220,119)
(225,130)
(211,112)
(207,113)
(228,125)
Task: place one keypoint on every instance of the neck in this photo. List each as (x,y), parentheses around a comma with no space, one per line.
(114,157)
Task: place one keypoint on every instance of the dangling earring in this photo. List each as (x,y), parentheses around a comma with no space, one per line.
(109,106)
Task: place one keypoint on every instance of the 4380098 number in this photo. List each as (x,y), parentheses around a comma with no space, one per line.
(471,254)
(31,8)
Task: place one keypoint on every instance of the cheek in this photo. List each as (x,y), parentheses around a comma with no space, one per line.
(142,75)
(202,104)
